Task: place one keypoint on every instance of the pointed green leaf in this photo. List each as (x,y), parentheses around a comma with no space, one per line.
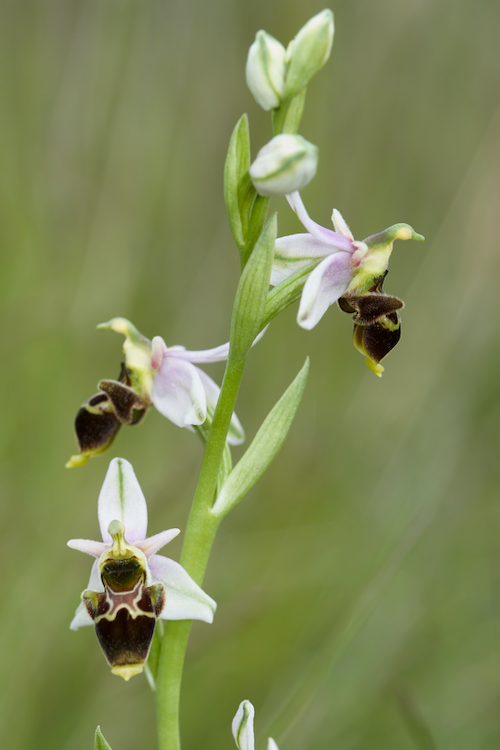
(99,741)
(251,295)
(263,448)
(239,193)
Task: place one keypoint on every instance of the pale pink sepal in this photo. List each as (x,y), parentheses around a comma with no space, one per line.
(178,392)
(326,283)
(320,233)
(88,546)
(151,545)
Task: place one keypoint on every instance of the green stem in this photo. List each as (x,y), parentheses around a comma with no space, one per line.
(200,534)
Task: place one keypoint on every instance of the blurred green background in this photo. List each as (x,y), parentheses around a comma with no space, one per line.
(358,586)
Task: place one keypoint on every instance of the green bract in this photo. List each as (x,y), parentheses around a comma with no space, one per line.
(263,448)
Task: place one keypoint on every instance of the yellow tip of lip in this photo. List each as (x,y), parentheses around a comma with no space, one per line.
(79,460)
(374,367)
(127,670)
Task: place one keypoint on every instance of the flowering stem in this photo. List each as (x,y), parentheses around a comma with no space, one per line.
(199,537)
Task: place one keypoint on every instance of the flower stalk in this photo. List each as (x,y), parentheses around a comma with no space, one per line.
(199,537)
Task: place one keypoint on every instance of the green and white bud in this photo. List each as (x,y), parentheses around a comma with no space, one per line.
(308,52)
(265,70)
(286,164)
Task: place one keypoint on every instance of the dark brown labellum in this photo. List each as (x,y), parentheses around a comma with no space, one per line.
(96,424)
(127,405)
(379,338)
(125,613)
(371,306)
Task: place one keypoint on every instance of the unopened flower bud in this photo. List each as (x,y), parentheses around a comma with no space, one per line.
(309,51)
(265,70)
(284,165)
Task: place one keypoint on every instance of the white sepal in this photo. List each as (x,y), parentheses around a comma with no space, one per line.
(121,499)
(293,252)
(185,600)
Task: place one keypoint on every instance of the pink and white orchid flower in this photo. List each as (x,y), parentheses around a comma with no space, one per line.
(152,374)
(131,586)
(346,266)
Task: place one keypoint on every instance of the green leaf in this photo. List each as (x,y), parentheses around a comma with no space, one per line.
(251,294)
(239,193)
(263,448)
(99,741)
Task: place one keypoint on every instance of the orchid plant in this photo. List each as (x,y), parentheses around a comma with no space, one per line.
(132,590)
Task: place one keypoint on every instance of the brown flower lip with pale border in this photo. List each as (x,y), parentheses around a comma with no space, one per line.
(130,586)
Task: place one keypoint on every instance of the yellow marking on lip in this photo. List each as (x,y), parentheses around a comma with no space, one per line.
(127,670)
